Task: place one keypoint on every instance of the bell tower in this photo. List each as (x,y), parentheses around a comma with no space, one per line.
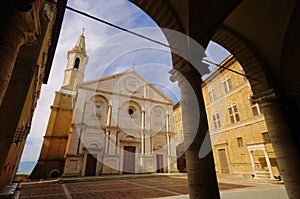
(52,155)
(77,60)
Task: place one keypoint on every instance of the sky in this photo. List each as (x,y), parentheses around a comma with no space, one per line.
(110,51)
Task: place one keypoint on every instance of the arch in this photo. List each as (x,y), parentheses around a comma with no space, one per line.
(134,103)
(77,63)
(154,9)
(55,173)
(128,138)
(158,109)
(158,118)
(251,64)
(96,98)
(157,147)
(98,107)
(93,146)
(132,108)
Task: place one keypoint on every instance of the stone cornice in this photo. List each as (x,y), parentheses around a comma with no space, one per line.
(125,95)
(265,96)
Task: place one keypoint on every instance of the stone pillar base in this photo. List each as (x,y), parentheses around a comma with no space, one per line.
(173,164)
(111,164)
(148,164)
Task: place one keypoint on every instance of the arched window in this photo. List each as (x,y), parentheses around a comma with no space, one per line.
(76,64)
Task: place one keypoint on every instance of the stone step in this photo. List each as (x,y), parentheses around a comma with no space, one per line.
(8,191)
(262,174)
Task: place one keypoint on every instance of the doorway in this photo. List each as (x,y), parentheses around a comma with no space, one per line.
(223,161)
(91,164)
(159,163)
(129,159)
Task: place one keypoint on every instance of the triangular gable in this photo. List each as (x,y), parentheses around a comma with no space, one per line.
(128,83)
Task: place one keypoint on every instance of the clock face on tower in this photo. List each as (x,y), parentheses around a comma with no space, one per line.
(131,84)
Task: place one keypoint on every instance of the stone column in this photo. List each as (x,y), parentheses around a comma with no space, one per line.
(147,143)
(142,133)
(108,115)
(143,120)
(269,164)
(173,145)
(106,142)
(142,143)
(284,145)
(252,162)
(201,171)
(15,27)
(112,143)
(168,151)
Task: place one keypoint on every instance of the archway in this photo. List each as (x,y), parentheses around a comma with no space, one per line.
(54,173)
(264,31)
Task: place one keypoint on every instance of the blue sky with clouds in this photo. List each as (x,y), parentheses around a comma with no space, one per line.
(110,51)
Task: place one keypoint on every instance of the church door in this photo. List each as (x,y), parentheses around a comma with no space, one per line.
(91,163)
(159,163)
(129,159)
(223,161)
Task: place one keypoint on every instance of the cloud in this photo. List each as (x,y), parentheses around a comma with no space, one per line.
(31,150)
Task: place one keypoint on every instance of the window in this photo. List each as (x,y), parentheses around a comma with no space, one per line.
(233,113)
(212,94)
(216,120)
(255,108)
(77,62)
(240,142)
(266,137)
(227,85)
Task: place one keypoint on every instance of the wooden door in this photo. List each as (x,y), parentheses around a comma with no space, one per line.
(91,164)
(223,161)
(159,163)
(129,159)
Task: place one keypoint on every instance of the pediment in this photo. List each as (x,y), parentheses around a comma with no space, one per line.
(128,83)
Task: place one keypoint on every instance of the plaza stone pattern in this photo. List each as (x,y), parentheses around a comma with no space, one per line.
(122,124)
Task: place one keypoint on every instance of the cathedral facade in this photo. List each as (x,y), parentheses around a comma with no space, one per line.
(116,124)
(122,124)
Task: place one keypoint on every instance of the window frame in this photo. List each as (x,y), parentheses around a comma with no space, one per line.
(212,94)
(233,113)
(240,142)
(216,120)
(227,83)
(266,137)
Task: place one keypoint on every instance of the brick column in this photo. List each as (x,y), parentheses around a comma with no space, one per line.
(201,171)
(284,145)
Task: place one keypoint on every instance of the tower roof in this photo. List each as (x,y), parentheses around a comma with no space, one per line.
(80,45)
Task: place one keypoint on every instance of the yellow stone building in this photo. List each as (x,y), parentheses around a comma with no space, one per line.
(239,135)
(52,156)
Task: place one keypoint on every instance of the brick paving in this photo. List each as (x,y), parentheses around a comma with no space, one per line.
(150,187)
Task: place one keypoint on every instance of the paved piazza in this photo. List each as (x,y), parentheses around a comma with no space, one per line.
(131,187)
